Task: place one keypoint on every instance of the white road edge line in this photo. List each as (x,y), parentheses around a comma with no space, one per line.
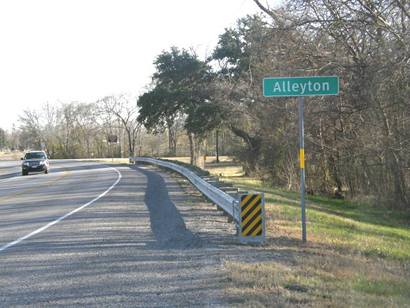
(64,216)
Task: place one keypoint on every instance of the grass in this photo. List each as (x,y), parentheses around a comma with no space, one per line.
(357,255)
(187,165)
(107,160)
(225,167)
(321,280)
(358,228)
(8,155)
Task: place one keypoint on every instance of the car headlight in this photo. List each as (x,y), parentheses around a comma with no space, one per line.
(26,163)
(42,162)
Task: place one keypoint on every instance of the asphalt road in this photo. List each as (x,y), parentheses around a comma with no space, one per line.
(9,169)
(98,235)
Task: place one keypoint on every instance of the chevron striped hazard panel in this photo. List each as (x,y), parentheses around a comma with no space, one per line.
(252,218)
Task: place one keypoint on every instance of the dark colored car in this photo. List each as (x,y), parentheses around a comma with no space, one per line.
(35,161)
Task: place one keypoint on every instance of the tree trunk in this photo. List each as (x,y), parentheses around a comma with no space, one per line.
(254,144)
(398,178)
(195,149)
(393,160)
(191,148)
(217,145)
(131,144)
(172,140)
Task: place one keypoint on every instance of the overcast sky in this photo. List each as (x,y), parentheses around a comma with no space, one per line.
(82,50)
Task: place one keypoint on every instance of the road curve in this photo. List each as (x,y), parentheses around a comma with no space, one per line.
(145,242)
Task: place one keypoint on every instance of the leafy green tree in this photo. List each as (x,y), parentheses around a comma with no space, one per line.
(239,57)
(158,111)
(181,89)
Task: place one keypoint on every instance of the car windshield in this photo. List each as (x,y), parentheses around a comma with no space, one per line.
(35,155)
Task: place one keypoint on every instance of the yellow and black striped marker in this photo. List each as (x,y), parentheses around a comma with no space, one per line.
(251,215)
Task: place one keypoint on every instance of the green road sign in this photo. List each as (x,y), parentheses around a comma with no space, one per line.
(300,86)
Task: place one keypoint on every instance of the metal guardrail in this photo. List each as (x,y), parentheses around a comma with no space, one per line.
(229,204)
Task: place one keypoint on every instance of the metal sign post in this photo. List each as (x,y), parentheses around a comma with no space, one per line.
(302,164)
(112,139)
(301,87)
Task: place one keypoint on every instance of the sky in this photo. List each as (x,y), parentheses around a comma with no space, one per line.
(82,50)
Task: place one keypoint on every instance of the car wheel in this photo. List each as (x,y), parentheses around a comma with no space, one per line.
(24,172)
(46,171)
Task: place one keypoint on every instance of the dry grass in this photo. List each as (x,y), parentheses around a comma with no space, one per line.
(356,255)
(184,159)
(316,276)
(225,168)
(107,160)
(346,262)
(15,155)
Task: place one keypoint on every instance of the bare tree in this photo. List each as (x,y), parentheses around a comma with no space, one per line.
(126,112)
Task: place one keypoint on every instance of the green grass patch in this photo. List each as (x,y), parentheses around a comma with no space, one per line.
(361,228)
(357,255)
(383,287)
